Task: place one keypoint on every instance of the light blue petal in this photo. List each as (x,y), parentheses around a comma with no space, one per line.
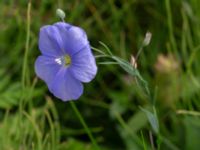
(50,41)
(65,86)
(83,65)
(46,68)
(74,38)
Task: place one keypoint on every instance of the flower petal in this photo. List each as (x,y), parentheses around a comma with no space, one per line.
(74,38)
(83,65)
(50,41)
(65,86)
(46,68)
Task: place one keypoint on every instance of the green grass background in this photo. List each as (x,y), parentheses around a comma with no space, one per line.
(31,118)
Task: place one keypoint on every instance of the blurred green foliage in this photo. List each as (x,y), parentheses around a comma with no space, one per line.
(31,118)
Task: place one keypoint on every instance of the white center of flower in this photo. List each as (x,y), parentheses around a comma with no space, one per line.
(64,60)
(58,61)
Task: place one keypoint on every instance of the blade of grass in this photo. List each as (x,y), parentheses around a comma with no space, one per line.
(27,46)
(73,105)
(143,141)
(24,70)
(36,128)
(186,112)
(170,26)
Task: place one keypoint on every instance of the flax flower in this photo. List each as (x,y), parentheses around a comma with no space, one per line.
(66,60)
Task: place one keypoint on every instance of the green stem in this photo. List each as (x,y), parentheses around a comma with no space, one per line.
(170,25)
(73,105)
(27,46)
(24,69)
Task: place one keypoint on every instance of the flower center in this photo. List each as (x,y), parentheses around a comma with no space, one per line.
(67,60)
(64,60)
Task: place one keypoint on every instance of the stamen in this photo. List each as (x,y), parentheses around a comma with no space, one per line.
(64,60)
(58,60)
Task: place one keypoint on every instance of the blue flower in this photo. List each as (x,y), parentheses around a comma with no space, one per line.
(66,60)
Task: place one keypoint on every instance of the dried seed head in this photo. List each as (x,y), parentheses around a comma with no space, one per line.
(133,61)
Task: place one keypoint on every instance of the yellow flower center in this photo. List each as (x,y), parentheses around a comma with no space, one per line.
(67,60)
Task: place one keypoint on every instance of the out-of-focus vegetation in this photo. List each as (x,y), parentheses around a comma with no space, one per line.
(31,118)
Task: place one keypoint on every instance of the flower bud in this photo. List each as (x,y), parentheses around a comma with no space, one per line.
(147,39)
(60,13)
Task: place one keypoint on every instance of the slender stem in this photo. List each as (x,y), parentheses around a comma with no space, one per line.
(143,142)
(170,25)
(138,54)
(73,105)
(27,46)
(186,112)
(151,140)
(24,69)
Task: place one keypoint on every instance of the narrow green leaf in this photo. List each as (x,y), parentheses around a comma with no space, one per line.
(106,47)
(153,120)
